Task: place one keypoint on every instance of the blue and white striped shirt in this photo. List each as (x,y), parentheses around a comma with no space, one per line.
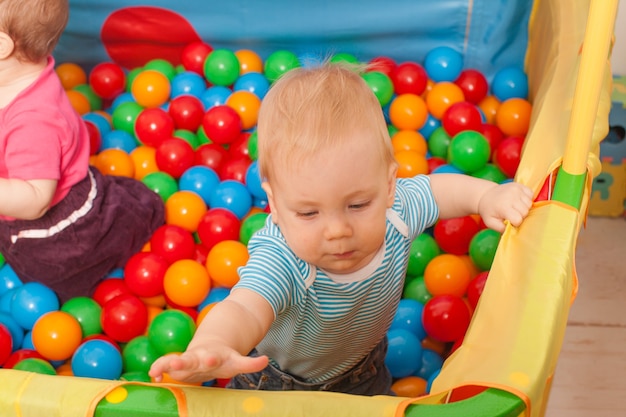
(324,324)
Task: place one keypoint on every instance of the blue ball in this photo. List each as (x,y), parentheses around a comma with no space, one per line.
(122,98)
(443,64)
(188,83)
(99,121)
(253,82)
(253,182)
(118,139)
(17,332)
(432,123)
(31,301)
(215,295)
(409,317)
(430,380)
(510,82)
(404,354)
(232,195)
(431,363)
(8,279)
(97,359)
(5,300)
(116,273)
(215,96)
(447,169)
(200,179)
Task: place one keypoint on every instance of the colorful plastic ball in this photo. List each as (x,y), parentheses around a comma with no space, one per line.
(249,61)
(222,124)
(172,243)
(423,249)
(97,359)
(56,335)
(124,116)
(174,156)
(509,82)
(253,181)
(87,312)
(441,96)
(439,142)
(431,363)
(409,78)
(186,283)
(404,353)
(415,289)
(153,126)
(234,168)
(95,101)
(171,331)
(232,195)
(408,316)
(240,147)
(490,172)
(31,301)
(508,154)
(108,289)
(151,88)
(513,116)
(461,116)
(253,82)
(409,140)
(6,344)
(79,102)
(136,376)
(447,169)
(408,111)
(193,56)
(489,107)
(163,66)
(215,96)
(474,85)
(124,317)
(223,261)
(144,271)
(187,83)
(161,183)
(476,287)
(115,162)
(435,162)
(446,318)
(36,365)
(247,105)
(493,134)
(144,159)
(211,155)
(71,75)
(278,63)
(468,151)
(100,119)
(454,235)
(218,224)
(410,163)
(221,67)
(383,64)
(185,209)
(188,136)
(381,85)
(138,355)
(482,249)
(118,139)
(107,79)
(250,225)
(8,279)
(409,386)
(443,64)
(186,112)
(447,274)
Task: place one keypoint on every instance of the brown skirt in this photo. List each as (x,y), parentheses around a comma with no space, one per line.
(96,228)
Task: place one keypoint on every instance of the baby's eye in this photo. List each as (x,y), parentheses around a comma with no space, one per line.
(359,205)
(306,214)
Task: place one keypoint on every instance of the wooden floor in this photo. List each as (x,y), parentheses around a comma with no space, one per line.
(591,373)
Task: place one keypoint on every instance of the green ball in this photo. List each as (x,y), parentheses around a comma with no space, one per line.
(490,172)
(381,85)
(482,248)
(344,57)
(139,354)
(163,66)
(161,183)
(221,67)
(171,331)
(87,312)
(468,151)
(392,130)
(136,376)
(438,143)
(125,115)
(278,63)
(2,260)
(188,136)
(130,77)
(415,289)
(253,146)
(36,365)
(95,101)
(423,249)
(251,225)
(202,136)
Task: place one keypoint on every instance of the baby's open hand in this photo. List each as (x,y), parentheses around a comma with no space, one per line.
(509,201)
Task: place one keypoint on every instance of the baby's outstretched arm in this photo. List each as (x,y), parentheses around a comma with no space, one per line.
(461,195)
(26,200)
(219,348)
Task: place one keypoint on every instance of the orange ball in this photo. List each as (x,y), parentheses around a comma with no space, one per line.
(441,96)
(56,335)
(79,102)
(409,140)
(410,386)
(249,61)
(71,75)
(185,209)
(408,111)
(447,274)
(65,369)
(144,159)
(150,88)
(247,105)
(223,261)
(115,162)
(513,116)
(489,106)
(186,282)
(411,163)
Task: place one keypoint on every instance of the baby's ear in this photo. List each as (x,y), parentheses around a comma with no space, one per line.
(391,184)
(7,46)
(270,200)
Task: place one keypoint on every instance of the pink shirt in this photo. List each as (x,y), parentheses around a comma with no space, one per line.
(42,136)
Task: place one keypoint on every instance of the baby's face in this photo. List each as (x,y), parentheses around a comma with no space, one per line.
(331,208)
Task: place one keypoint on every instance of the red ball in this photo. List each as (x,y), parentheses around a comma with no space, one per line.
(476,287)
(211,155)
(461,116)
(382,64)
(20,355)
(434,162)
(239,148)
(153,126)
(6,344)
(193,56)
(473,84)
(144,274)
(95,138)
(172,243)
(108,289)
(222,124)
(107,80)
(124,317)
(216,225)
(409,77)
(454,235)
(446,318)
(234,169)
(493,134)
(187,112)
(507,155)
(174,156)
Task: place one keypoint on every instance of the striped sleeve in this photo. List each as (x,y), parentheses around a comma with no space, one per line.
(416,203)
